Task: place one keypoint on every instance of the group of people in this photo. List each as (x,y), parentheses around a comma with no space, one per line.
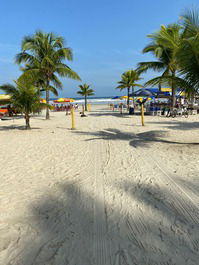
(66,108)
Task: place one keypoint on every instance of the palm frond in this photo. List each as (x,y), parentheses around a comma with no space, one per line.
(145,66)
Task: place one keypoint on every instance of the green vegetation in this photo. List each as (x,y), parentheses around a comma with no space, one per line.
(85,91)
(24,98)
(176,48)
(188,52)
(43,55)
(164,46)
(128,80)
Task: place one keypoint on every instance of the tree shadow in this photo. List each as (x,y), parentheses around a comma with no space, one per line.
(144,139)
(192,185)
(16,127)
(177,125)
(63,231)
(178,218)
(54,235)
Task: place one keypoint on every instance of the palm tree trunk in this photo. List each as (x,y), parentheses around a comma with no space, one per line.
(27,119)
(47,101)
(85,103)
(173,91)
(128,91)
(159,86)
(133,90)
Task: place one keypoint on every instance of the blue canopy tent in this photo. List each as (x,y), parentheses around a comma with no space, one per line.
(116,97)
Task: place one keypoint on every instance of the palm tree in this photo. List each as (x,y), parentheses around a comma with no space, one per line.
(128,80)
(188,53)
(85,91)
(165,44)
(43,55)
(24,98)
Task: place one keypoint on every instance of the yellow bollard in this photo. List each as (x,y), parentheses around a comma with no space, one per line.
(142,114)
(72,119)
(89,107)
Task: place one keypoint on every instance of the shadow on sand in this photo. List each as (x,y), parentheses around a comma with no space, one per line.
(63,230)
(16,127)
(177,125)
(135,140)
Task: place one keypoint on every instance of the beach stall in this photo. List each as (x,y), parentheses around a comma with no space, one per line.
(62,104)
(4,101)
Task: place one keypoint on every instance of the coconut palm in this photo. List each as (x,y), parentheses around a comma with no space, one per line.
(165,44)
(24,98)
(85,91)
(188,53)
(43,55)
(128,80)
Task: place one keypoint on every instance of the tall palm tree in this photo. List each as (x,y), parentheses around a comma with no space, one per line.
(24,98)
(43,55)
(188,53)
(165,44)
(85,91)
(128,80)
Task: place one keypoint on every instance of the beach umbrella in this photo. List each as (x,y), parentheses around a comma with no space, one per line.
(63,100)
(143,93)
(42,100)
(165,89)
(4,97)
(126,97)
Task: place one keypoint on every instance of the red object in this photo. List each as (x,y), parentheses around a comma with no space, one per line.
(3,110)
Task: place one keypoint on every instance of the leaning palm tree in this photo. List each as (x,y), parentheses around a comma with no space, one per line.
(43,55)
(165,44)
(24,98)
(128,80)
(85,91)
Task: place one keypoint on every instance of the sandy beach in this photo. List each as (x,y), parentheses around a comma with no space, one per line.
(110,192)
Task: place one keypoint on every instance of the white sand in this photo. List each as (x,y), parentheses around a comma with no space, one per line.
(109,193)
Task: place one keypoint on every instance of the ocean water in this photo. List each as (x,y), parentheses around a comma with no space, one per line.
(93,100)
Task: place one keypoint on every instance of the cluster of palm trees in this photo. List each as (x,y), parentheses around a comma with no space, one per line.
(176,50)
(41,59)
(43,55)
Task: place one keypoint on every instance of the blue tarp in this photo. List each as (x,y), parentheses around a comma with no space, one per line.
(116,97)
(158,93)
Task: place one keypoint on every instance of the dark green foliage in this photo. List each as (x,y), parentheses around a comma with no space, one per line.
(85,91)
(43,55)
(24,98)
(128,80)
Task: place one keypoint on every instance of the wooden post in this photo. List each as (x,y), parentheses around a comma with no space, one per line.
(142,114)
(72,118)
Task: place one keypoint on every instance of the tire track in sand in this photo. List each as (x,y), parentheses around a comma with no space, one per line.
(101,241)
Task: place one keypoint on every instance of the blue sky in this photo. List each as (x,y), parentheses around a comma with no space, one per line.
(106,36)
